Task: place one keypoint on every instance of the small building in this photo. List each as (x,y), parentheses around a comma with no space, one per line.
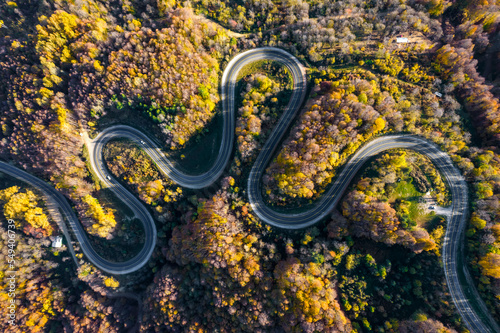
(401,40)
(57,242)
(438,94)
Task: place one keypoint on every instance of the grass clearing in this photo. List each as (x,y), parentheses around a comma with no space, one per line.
(406,191)
(92,175)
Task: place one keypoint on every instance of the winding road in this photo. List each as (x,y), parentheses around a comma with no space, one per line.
(454,231)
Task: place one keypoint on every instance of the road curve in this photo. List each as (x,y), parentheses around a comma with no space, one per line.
(454,230)
(228,85)
(57,200)
(458,187)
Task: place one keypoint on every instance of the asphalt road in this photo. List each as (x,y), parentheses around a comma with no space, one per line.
(458,187)
(228,85)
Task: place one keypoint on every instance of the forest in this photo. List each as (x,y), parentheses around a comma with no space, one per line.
(74,68)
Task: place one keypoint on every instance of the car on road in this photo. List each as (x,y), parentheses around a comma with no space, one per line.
(431,207)
(143,143)
(108,177)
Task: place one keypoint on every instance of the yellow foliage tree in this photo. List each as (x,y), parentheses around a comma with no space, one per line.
(37,218)
(111,282)
(379,124)
(477,222)
(491,265)
(306,294)
(105,220)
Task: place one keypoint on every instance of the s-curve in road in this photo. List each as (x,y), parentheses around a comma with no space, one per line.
(95,147)
(458,187)
(454,230)
(228,85)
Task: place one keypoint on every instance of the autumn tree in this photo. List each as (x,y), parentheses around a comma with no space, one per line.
(104,220)
(22,206)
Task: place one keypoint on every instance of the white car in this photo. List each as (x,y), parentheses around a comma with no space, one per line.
(108,177)
(143,143)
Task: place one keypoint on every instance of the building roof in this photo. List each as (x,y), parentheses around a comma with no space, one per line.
(57,242)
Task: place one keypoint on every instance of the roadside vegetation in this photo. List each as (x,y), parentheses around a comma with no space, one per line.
(70,67)
(390,203)
(394,264)
(44,288)
(263,92)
